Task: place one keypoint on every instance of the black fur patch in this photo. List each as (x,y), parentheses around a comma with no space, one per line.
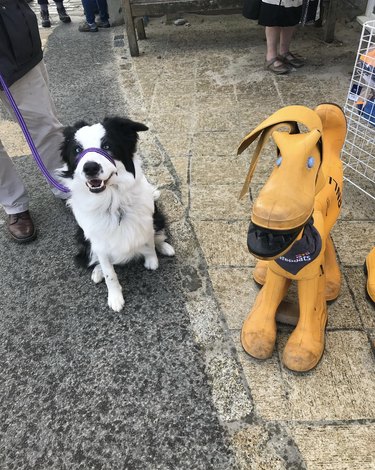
(121,139)
(159,220)
(82,258)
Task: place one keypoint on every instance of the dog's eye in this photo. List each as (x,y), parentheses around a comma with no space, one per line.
(78,149)
(106,147)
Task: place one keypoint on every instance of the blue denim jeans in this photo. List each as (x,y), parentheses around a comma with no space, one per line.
(91,6)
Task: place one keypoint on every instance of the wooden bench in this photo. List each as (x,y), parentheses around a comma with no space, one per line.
(136,10)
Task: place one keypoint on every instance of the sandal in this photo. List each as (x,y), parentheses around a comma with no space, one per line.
(292,59)
(280,69)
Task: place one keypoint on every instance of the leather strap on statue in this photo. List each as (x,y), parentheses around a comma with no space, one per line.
(263,139)
(285,117)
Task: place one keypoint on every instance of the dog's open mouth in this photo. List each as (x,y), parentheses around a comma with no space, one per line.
(96,185)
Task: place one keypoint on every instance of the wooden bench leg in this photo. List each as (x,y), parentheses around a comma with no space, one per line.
(140,27)
(130,28)
(329,33)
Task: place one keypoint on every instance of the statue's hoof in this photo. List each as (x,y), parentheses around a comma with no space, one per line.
(332,290)
(257,345)
(300,360)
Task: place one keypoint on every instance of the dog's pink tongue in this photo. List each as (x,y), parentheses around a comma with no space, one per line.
(95,183)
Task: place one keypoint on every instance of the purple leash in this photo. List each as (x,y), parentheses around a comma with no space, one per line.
(29,140)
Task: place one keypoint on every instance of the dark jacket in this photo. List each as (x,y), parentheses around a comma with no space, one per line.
(20,45)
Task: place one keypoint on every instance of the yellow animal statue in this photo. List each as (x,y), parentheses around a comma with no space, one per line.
(290,229)
(370,273)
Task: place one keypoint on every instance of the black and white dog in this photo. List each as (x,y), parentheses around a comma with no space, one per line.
(112,200)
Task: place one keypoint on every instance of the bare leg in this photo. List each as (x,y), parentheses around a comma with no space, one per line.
(286,35)
(273,39)
(273,62)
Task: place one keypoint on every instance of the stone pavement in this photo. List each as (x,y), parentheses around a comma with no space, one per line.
(201,88)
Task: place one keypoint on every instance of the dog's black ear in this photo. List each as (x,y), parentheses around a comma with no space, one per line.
(71,130)
(138,126)
(124,124)
(80,124)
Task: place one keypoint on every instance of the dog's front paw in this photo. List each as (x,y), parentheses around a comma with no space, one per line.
(156,194)
(151,262)
(166,249)
(116,301)
(97,274)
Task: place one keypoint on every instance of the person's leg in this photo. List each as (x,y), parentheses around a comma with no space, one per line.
(103,12)
(14,199)
(89,26)
(272,38)
(273,63)
(35,103)
(44,13)
(286,36)
(63,15)
(13,194)
(89,9)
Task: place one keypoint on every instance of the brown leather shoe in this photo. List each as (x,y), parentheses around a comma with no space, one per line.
(21,227)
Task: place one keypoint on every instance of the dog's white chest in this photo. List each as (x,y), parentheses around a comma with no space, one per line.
(119,233)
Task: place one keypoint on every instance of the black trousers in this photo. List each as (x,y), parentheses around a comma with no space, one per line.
(45,2)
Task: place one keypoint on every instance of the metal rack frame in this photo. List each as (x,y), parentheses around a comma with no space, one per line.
(359,149)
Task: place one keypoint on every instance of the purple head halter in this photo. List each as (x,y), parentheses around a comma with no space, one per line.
(95,150)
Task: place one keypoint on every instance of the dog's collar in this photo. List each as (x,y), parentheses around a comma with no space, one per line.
(95,150)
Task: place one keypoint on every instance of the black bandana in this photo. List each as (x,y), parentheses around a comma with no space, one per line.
(303,251)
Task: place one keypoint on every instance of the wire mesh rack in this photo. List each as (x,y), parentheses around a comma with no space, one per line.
(359,149)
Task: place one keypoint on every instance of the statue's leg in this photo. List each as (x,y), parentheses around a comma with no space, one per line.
(370,272)
(260,272)
(306,344)
(258,334)
(332,271)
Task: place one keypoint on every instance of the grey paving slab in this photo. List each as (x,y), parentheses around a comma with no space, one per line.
(222,243)
(353,239)
(332,447)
